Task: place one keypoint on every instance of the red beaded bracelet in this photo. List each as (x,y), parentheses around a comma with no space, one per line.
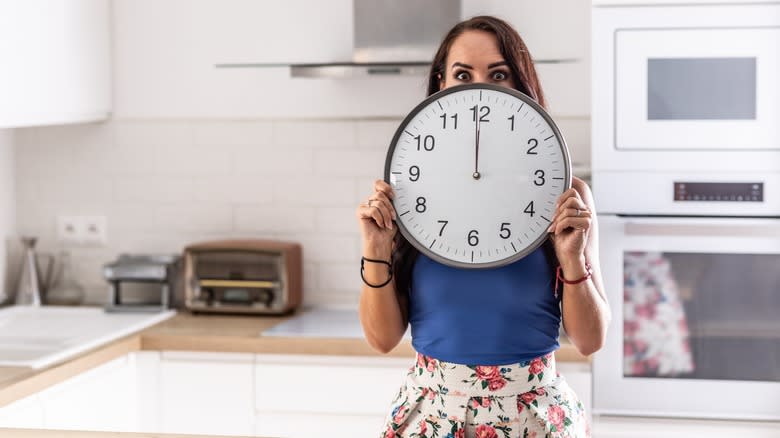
(559,276)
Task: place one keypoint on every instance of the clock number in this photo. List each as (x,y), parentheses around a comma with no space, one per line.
(529,209)
(533,142)
(540,177)
(427,143)
(443,224)
(420,207)
(473,238)
(483,110)
(512,124)
(454,118)
(414,173)
(505,229)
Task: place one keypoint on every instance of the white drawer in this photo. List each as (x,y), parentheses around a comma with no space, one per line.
(327,384)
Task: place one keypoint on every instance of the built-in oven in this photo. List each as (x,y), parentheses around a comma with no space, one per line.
(695,318)
(686,180)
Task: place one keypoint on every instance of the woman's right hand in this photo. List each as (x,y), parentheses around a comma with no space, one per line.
(376,215)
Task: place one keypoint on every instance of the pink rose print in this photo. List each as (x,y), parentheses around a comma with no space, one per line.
(423,427)
(536,366)
(421,361)
(528,397)
(485,402)
(540,391)
(520,405)
(487,372)
(474,403)
(460,433)
(496,384)
(399,416)
(555,415)
(389,434)
(431,365)
(485,431)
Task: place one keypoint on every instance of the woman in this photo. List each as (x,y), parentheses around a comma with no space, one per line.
(484,338)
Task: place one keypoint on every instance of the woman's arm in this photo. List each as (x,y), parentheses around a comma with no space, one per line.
(585,309)
(383,311)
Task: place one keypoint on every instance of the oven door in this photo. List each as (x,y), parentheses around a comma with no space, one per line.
(695,328)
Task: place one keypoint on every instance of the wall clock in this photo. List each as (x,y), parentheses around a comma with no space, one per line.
(477,170)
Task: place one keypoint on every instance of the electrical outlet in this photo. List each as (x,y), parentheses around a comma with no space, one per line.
(94,230)
(69,230)
(82,230)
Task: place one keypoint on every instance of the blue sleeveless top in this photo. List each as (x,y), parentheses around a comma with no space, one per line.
(492,316)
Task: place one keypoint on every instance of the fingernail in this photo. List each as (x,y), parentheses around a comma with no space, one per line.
(549,228)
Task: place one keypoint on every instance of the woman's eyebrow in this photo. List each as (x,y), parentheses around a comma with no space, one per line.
(460,64)
(496,64)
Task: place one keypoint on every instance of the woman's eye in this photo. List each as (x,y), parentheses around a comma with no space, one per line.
(462,76)
(500,76)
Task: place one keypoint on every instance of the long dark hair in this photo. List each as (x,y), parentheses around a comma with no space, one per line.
(524,76)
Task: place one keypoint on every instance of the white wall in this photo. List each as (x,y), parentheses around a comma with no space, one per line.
(7,205)
(172,168)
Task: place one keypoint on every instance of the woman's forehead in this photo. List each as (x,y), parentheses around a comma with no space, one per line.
(476,48)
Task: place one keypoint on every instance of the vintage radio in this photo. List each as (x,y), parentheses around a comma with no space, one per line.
(243,276)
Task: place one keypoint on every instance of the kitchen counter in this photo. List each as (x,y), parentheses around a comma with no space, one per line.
(204,333)
(40,433)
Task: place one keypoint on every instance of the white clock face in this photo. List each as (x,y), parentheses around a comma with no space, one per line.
(477,170)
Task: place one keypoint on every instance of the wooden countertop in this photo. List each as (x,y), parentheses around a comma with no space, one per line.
(206,333)
(42,433)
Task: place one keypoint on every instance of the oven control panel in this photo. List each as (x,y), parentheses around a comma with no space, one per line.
(719,191)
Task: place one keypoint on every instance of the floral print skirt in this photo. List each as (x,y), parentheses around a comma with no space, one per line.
(528,399)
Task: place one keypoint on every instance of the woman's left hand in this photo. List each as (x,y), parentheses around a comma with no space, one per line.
(570,226)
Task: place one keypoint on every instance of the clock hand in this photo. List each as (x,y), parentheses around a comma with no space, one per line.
(476,174)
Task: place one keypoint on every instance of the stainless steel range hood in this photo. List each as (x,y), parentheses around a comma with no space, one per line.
(390,37)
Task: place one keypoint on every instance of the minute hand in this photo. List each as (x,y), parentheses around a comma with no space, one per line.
(476,174)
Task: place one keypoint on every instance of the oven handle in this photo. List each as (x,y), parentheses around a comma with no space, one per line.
(702,225)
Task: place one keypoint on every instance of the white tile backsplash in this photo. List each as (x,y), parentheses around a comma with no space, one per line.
(164,184)
(350,162)
(273,218)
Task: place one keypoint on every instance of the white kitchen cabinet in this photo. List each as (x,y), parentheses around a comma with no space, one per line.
(102,399)
(303,396)
(56,62)
(206,393)
(26,413)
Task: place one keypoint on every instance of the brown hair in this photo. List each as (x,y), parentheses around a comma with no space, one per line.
(520,64)
(511,46)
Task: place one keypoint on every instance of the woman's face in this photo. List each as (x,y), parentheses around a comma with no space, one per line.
(474,57)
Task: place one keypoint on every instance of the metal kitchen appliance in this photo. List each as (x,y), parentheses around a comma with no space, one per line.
(128,268)
(686,174)
(243,276)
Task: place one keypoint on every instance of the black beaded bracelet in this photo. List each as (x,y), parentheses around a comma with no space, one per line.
(363,260)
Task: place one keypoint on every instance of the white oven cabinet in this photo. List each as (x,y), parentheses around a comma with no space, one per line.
(304,396)
(56,62)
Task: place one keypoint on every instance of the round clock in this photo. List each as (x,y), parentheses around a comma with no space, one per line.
(477,170)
